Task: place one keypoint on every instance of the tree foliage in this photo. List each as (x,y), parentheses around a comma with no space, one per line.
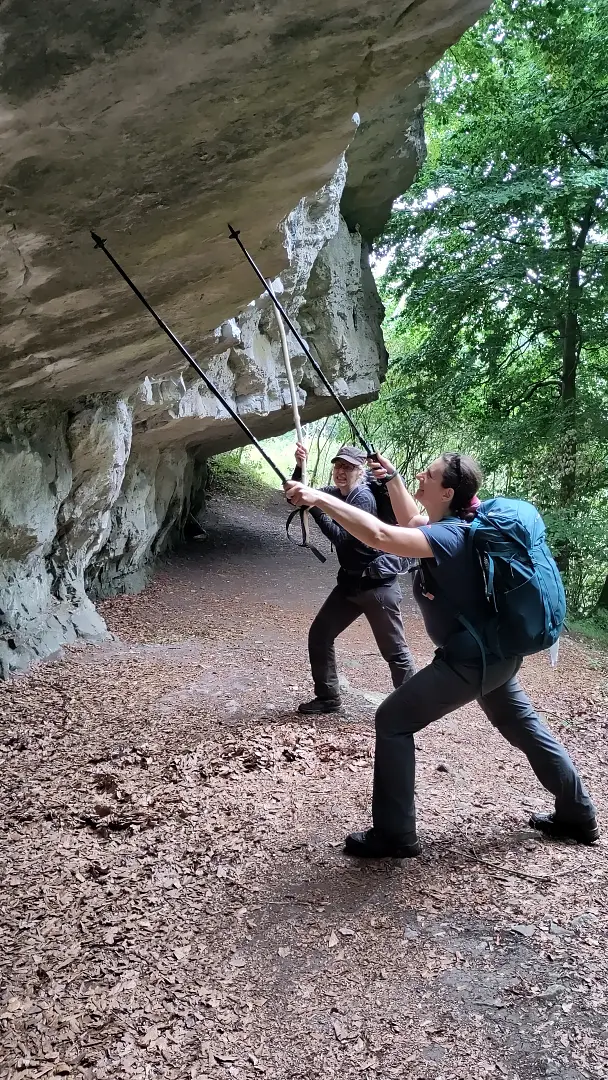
(497,277)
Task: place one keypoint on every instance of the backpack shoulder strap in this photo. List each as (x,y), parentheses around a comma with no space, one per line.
(304,526)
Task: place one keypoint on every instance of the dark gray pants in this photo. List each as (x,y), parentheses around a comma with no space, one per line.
(439,689)
(382,609)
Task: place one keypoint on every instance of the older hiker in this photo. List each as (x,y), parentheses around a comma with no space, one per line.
(367,585)
(449,588)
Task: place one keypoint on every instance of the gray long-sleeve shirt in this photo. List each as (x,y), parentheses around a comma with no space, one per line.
(354,556)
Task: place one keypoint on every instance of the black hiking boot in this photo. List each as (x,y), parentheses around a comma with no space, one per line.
(373,844)
(584,832)
(320,705)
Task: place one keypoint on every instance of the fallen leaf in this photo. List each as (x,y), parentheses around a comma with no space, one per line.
(150,1036)
(340,1030)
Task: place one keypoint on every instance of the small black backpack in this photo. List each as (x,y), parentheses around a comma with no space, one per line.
(386,565)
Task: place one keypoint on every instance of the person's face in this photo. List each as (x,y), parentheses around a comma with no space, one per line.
(345,475)
(434,497)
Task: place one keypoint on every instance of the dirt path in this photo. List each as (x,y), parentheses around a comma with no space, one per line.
(175,902)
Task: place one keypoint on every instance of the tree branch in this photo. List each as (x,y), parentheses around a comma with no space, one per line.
(501,238)
(583,153)
(540,285)
(520,348)
(552,381)
(586,220)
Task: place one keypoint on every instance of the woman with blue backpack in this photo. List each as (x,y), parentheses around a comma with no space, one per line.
(489,593)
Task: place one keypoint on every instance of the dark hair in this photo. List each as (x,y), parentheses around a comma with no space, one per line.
(464,475)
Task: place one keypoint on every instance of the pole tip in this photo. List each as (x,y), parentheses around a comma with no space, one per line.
(233,233)
(97,239)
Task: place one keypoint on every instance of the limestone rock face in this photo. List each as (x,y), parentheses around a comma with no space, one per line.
(331,296)
(384,158)
(58,481)
(152,508)
(156,124)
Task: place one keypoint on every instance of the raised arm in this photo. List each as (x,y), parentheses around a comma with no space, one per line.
(301,457)
(394,539)
(404,505)
(333,532)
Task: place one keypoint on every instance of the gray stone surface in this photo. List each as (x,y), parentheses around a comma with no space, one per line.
(155,124)
(43,604)
(152,508)
(384,158)
(331,296)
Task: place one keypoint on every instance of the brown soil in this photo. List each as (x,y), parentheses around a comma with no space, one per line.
(175,901)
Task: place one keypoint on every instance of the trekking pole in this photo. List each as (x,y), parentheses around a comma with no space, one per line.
(292,387)
(235,234)
(99,243)
(303,512)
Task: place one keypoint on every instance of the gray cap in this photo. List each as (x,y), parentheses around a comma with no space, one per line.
(351,454)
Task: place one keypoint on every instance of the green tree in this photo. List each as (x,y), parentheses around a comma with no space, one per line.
(498,274)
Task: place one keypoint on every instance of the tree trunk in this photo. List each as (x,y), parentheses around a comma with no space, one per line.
(602,603)
(570,358)
(570,335)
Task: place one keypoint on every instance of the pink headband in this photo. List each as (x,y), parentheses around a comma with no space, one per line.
(472,505)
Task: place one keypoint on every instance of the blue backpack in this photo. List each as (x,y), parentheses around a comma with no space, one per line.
(523,586)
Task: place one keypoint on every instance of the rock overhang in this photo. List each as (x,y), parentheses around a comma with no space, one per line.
(155,124)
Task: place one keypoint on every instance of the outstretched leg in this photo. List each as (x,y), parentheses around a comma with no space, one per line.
(511,712)
(430,694)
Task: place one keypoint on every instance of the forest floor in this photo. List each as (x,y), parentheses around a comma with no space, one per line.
(175,901)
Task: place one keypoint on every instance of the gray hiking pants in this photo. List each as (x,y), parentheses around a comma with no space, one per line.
(382,609)
(439,689)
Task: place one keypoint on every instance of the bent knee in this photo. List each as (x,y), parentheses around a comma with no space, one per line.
(391,718)
(522,732)
(318,635)
(398,656)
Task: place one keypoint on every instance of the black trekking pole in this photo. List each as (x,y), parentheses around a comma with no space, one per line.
(235,234)
(99,243)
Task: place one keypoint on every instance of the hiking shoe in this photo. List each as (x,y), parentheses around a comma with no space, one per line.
(320,705)
(584,832)
(374,844)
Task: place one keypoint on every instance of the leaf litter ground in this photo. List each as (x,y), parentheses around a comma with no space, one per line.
(175,902)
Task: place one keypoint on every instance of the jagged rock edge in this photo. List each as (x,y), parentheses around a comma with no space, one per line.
(103,487)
